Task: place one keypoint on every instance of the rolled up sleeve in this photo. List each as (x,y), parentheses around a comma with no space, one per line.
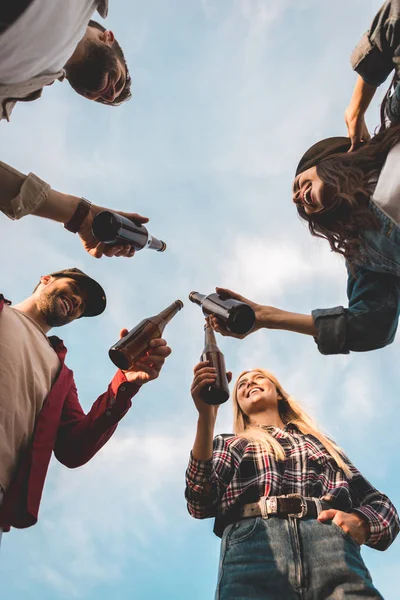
(370,322)
(376,54)
(20,195)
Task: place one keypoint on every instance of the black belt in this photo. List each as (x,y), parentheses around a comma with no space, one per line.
(292,505)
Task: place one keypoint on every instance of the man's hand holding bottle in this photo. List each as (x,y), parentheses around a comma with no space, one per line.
(148,367)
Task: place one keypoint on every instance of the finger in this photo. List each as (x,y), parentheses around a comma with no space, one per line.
(229,376)
(125,251)
(135,217)
(198,387)
(153,359)
(327,515)
(163,351)
(200,379)
(200,365)
(111,250)
(98,250)
(150,371)
(225,293)
(157,342)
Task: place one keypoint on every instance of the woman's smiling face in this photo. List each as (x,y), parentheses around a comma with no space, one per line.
(308,191)
(254,391)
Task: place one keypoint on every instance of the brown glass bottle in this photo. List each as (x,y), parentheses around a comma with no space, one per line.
(218,392)
(135,343)
(237,316)
(111,228)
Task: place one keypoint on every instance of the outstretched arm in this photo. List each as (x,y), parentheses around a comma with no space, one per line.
(81,435)
(369,322)
(21,195)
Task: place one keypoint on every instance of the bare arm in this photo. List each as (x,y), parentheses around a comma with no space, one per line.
(354,115)
(268,317)
(203,443)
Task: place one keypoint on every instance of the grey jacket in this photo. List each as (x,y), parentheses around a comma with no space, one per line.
(378,51)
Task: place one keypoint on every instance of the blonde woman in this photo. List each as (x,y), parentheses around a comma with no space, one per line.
(290,507)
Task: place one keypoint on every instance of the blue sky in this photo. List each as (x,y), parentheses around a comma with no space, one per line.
(227,94)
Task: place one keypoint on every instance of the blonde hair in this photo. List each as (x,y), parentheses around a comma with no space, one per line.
(289,411)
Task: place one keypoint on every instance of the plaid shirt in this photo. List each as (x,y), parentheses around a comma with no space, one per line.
(240,472)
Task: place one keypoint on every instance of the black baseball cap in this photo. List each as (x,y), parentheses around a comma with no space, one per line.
(96,297)
(321,150)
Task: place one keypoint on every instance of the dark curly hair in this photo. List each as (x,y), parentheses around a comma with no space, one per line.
(350,179)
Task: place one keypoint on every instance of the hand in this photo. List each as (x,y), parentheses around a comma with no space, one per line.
(96,248)
(148,366)
(356,128)
(205,375)
(352,523)
(218,325)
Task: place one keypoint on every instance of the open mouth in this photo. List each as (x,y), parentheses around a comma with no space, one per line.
(307,198)
(66,305)
(254,390)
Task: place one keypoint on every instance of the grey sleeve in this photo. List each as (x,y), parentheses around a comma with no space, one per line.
(377,53)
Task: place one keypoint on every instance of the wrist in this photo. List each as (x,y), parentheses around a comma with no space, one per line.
(267,317)
(83,209)
(206,422)
(58,206)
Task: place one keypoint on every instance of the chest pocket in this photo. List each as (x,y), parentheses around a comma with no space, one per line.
(320,460)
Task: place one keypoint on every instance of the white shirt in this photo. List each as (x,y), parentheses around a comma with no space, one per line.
(387,192)
(28,369)
(43,38)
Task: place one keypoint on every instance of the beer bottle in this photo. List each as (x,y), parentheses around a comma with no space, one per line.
(111,228)
(135,343)
(217,392)
(237,316)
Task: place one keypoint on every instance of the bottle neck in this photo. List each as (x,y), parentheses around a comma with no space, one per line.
(197,298)
(155,244)
(209,335)
(168,313)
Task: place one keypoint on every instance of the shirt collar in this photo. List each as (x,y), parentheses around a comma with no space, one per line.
(102,8)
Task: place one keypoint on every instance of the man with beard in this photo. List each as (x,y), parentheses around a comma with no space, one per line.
(39,43)
(39,407)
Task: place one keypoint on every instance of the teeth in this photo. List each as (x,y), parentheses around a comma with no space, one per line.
(257,389)
(307,197)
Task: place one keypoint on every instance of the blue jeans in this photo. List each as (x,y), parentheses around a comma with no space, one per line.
(291,559)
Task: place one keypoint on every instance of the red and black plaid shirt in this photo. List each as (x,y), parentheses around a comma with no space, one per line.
(240,472)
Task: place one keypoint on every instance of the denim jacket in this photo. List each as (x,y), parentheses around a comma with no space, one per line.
(373,290)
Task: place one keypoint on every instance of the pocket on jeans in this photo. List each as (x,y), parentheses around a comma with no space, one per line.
(344,533)
(242,530)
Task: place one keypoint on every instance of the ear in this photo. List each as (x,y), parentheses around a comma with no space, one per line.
(108,37)
(45,279)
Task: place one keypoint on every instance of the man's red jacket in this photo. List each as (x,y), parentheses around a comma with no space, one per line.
(62,426)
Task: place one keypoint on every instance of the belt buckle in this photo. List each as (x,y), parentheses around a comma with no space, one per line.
(303,505)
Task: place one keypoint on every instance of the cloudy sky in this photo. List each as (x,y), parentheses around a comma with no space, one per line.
(227,94)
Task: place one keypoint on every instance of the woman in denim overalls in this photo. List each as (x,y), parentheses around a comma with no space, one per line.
(353,201)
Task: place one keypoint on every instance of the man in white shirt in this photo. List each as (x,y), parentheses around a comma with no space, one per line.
(57,40)
(40,42)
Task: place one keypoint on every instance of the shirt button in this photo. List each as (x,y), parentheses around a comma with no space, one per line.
(123,388)
(108,413)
